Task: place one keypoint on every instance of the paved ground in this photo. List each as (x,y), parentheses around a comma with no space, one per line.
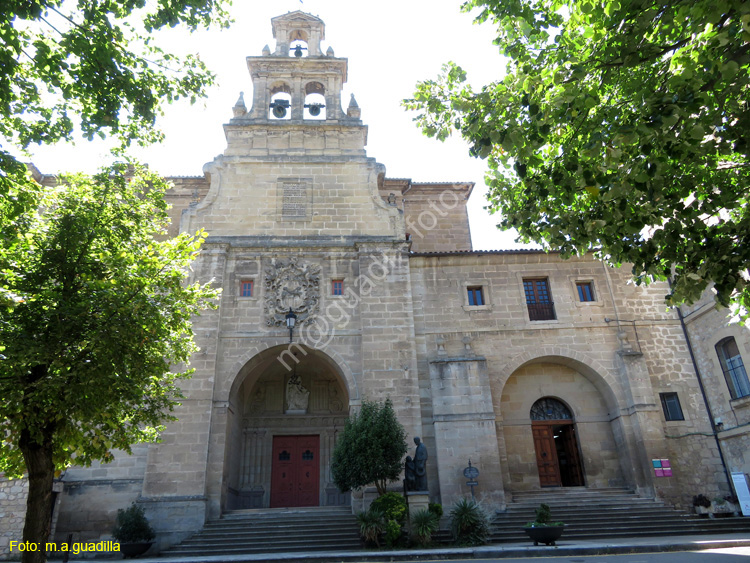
(495,551)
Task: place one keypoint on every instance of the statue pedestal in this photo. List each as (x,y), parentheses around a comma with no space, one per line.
(418,500)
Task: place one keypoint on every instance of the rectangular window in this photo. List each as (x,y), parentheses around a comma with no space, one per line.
(539,300)
(337,287)
(476,297)
(670,402)
(246,288)
(585,291)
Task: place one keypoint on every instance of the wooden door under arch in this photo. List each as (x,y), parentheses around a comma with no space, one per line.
(295,471)
(557,455)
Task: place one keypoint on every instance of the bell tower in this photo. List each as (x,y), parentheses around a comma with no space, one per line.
(295,163)
(297,83)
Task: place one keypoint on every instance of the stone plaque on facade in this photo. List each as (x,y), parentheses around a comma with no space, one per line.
(291,284)
(294,199)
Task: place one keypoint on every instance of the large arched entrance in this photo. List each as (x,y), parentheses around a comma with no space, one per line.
(558,457)
(285,419)
(557,428)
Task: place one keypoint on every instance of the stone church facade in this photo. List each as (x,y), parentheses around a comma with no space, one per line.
(542,372)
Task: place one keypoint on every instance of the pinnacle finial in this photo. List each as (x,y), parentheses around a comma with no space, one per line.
(239,108)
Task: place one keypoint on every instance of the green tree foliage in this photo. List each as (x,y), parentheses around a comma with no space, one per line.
(97,313)
(621,126)
(370,448)
(92,66)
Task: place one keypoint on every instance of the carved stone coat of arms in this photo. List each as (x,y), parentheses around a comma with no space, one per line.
(290,283)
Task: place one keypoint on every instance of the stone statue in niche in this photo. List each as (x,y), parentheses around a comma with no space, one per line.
(420,465)
(297,396)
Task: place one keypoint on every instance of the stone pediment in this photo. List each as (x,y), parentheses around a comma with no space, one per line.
(296,16)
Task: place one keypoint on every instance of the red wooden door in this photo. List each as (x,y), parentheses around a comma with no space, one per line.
(295,471)
(546,455)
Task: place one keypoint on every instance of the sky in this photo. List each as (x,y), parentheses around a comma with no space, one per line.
(390,45)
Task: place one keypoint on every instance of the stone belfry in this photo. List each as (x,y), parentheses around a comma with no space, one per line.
(295,163)
(295,71)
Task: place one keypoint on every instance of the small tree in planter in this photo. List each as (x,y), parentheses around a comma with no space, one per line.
(132,531)
(542,530)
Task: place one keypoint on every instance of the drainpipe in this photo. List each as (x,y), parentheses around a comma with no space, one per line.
(705,397)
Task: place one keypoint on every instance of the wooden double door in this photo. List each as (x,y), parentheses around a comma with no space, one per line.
(295,471)
(557,456)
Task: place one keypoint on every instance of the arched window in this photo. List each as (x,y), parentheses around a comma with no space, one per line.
(550,409)
(733,368)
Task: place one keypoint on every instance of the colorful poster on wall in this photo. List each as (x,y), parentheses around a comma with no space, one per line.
(662,467)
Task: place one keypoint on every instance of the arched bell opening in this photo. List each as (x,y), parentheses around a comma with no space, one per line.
(281,102)
(315,101)
(298,43)
(284,428)
(556,444)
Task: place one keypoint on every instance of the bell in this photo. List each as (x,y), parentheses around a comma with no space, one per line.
(314,109)
(279,108)
(298,51)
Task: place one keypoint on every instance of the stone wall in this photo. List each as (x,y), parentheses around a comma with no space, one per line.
(12,511)
(707,326)
(624,346)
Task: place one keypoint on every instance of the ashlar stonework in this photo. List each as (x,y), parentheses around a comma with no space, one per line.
(480,351)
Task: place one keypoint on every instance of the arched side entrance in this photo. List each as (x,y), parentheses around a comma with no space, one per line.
(558,457)
(282,433)
(555,428)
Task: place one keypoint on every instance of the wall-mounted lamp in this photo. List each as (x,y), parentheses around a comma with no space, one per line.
(291,319)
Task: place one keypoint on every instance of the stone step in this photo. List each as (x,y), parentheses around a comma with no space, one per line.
(603,514)
(272,531)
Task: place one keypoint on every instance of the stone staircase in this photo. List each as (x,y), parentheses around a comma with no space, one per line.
(606,514)
(273,530)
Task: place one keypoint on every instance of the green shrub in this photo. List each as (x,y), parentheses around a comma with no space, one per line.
(371,525)
(424,523)
(132,526)
(392,505)
(543,515)
(470,524)
(370,448)
(392,532)
(437,509)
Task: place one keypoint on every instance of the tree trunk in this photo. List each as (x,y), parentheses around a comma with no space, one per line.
(41,471)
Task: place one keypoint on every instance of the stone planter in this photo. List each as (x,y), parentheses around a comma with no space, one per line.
(702,510)
(134,549)
(723,509)
(544,534)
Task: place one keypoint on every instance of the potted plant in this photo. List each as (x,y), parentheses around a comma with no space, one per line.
(132,531)
(701,505)
(541,530)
